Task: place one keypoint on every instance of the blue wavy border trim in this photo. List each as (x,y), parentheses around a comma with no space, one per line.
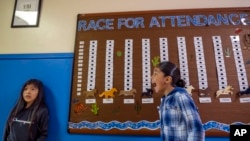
(144,124)
(116,124)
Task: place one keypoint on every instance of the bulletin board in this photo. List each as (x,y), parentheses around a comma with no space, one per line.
(115,54)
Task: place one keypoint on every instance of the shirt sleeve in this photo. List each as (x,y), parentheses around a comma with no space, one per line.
(43,122)
(192,118)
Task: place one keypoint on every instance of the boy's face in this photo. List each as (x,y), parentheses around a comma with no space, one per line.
(30,94)
(158,80)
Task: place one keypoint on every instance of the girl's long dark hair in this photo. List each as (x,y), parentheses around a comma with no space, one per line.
(170,69)
(21,104)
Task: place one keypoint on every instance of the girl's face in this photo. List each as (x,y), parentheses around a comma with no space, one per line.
(159,81)
(30,94)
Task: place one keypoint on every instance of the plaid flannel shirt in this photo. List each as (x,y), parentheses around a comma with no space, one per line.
(179,117)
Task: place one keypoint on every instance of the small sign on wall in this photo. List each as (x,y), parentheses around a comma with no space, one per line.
(26,13)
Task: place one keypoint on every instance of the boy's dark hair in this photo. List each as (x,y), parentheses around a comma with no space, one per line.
(170,69)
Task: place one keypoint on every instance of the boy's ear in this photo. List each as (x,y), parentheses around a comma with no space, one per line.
(168,79)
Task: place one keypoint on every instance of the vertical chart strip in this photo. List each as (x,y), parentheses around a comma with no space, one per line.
(164,49)
(239,62)
(109,64)
(128,65)
(79,68)
(146,73)
(220,63)
(182,50)
(92,65)
(200,62)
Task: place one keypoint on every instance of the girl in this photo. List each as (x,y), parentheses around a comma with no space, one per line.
(28,120)
(179,117)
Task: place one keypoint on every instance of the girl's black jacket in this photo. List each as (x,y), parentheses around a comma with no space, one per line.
(19,129)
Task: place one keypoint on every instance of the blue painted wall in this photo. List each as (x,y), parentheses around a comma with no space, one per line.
(55,70)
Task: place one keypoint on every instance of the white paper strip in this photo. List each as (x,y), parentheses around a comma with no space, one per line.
(220,64)
(92,65)
(239,62)
(200,61)
(109,64)
(164,49)
(182,51)
(128,65)
(79,67)
(146,73)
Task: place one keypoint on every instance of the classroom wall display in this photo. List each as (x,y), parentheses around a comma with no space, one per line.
(115,54)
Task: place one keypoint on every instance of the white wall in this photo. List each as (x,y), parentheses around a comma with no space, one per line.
(57,28)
